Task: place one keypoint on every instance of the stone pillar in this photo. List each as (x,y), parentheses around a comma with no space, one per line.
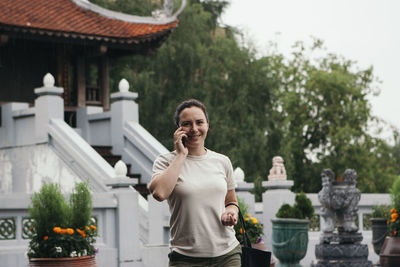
(82,121)
(157,221)
(123,109)
(278,192)
(48,105)
(243,190)
(8,134)
(127,228)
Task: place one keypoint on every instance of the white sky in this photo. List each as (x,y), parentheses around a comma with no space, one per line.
(366,31)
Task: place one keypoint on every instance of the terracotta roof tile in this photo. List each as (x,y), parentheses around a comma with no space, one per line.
(65,17)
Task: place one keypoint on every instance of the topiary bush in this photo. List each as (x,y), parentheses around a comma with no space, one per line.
(302,208)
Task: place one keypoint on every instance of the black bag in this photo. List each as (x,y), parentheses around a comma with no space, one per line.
(252,257)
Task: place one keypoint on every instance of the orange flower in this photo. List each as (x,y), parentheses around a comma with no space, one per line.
(93,227)
(241,230)
(393,210)
(87,228)
(394,217)
(45,237)
(70,231)
(57,230)
(81,232)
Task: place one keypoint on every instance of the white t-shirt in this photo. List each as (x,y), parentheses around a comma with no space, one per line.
(197,203)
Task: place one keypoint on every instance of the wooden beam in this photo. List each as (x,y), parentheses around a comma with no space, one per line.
(105,81)
(3,39)
(81,82)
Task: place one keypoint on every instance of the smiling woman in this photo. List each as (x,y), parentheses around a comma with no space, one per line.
(198,184)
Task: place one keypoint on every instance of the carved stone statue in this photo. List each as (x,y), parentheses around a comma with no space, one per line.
(324,197)
(277,171)
(339,198)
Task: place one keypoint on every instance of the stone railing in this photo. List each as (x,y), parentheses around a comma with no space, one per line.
(121,130)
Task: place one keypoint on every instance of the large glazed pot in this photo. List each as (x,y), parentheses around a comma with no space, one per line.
(289,241)
(390,252)
(85,261)
(379,232)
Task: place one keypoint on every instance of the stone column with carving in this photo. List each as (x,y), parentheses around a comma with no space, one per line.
(49,104)
(123,109)
(278,192)
(127,217)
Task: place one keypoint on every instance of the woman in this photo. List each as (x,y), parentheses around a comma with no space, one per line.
(199,187)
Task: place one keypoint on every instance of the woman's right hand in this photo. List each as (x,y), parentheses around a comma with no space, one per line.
(179,147)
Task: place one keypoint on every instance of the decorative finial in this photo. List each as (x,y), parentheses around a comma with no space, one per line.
(123,85)
(238,175)
(48,80)
(120,169)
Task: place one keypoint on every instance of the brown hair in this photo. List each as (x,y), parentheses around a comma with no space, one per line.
(187,104)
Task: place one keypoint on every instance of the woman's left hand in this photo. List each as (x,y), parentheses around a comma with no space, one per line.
(229,218)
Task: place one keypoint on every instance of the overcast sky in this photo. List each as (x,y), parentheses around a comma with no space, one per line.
(366,31)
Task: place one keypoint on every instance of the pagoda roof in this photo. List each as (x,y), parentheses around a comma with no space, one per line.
(80,20)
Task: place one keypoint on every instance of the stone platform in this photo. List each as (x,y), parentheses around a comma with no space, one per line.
(343,255)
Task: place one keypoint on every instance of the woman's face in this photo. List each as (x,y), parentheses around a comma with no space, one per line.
(194,122)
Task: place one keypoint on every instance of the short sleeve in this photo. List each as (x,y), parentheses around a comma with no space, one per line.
(160,165)
(229,175)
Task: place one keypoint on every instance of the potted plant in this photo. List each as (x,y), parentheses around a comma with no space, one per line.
(253,227)
(290,231)
(390,251)
(62,233)
(379,226)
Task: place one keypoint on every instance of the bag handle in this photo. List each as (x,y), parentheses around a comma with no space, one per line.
(246,239)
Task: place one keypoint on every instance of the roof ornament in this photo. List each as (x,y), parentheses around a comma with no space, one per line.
(165,12)
(163,16)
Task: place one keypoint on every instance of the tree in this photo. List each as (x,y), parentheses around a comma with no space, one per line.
(312,111)
(326,112)
(200,60)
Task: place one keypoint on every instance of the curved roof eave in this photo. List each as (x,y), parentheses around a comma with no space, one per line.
(85,4)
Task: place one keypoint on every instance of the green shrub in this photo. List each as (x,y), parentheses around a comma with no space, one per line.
(380,211)
(302,208)
(395,193)
(61,229)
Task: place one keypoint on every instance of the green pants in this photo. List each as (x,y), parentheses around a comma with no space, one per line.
(230,259)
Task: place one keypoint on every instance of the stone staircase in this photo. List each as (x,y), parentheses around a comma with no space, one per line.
(105,152)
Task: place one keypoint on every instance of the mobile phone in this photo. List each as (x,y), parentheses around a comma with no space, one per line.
(184,141)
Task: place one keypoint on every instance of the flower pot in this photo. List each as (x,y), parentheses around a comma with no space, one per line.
(390,252)
(84,261)
(289,241)
(379,232)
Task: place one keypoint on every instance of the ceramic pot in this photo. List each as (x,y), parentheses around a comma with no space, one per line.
(84,261)
(390,252)
(379,232)
(289,241)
